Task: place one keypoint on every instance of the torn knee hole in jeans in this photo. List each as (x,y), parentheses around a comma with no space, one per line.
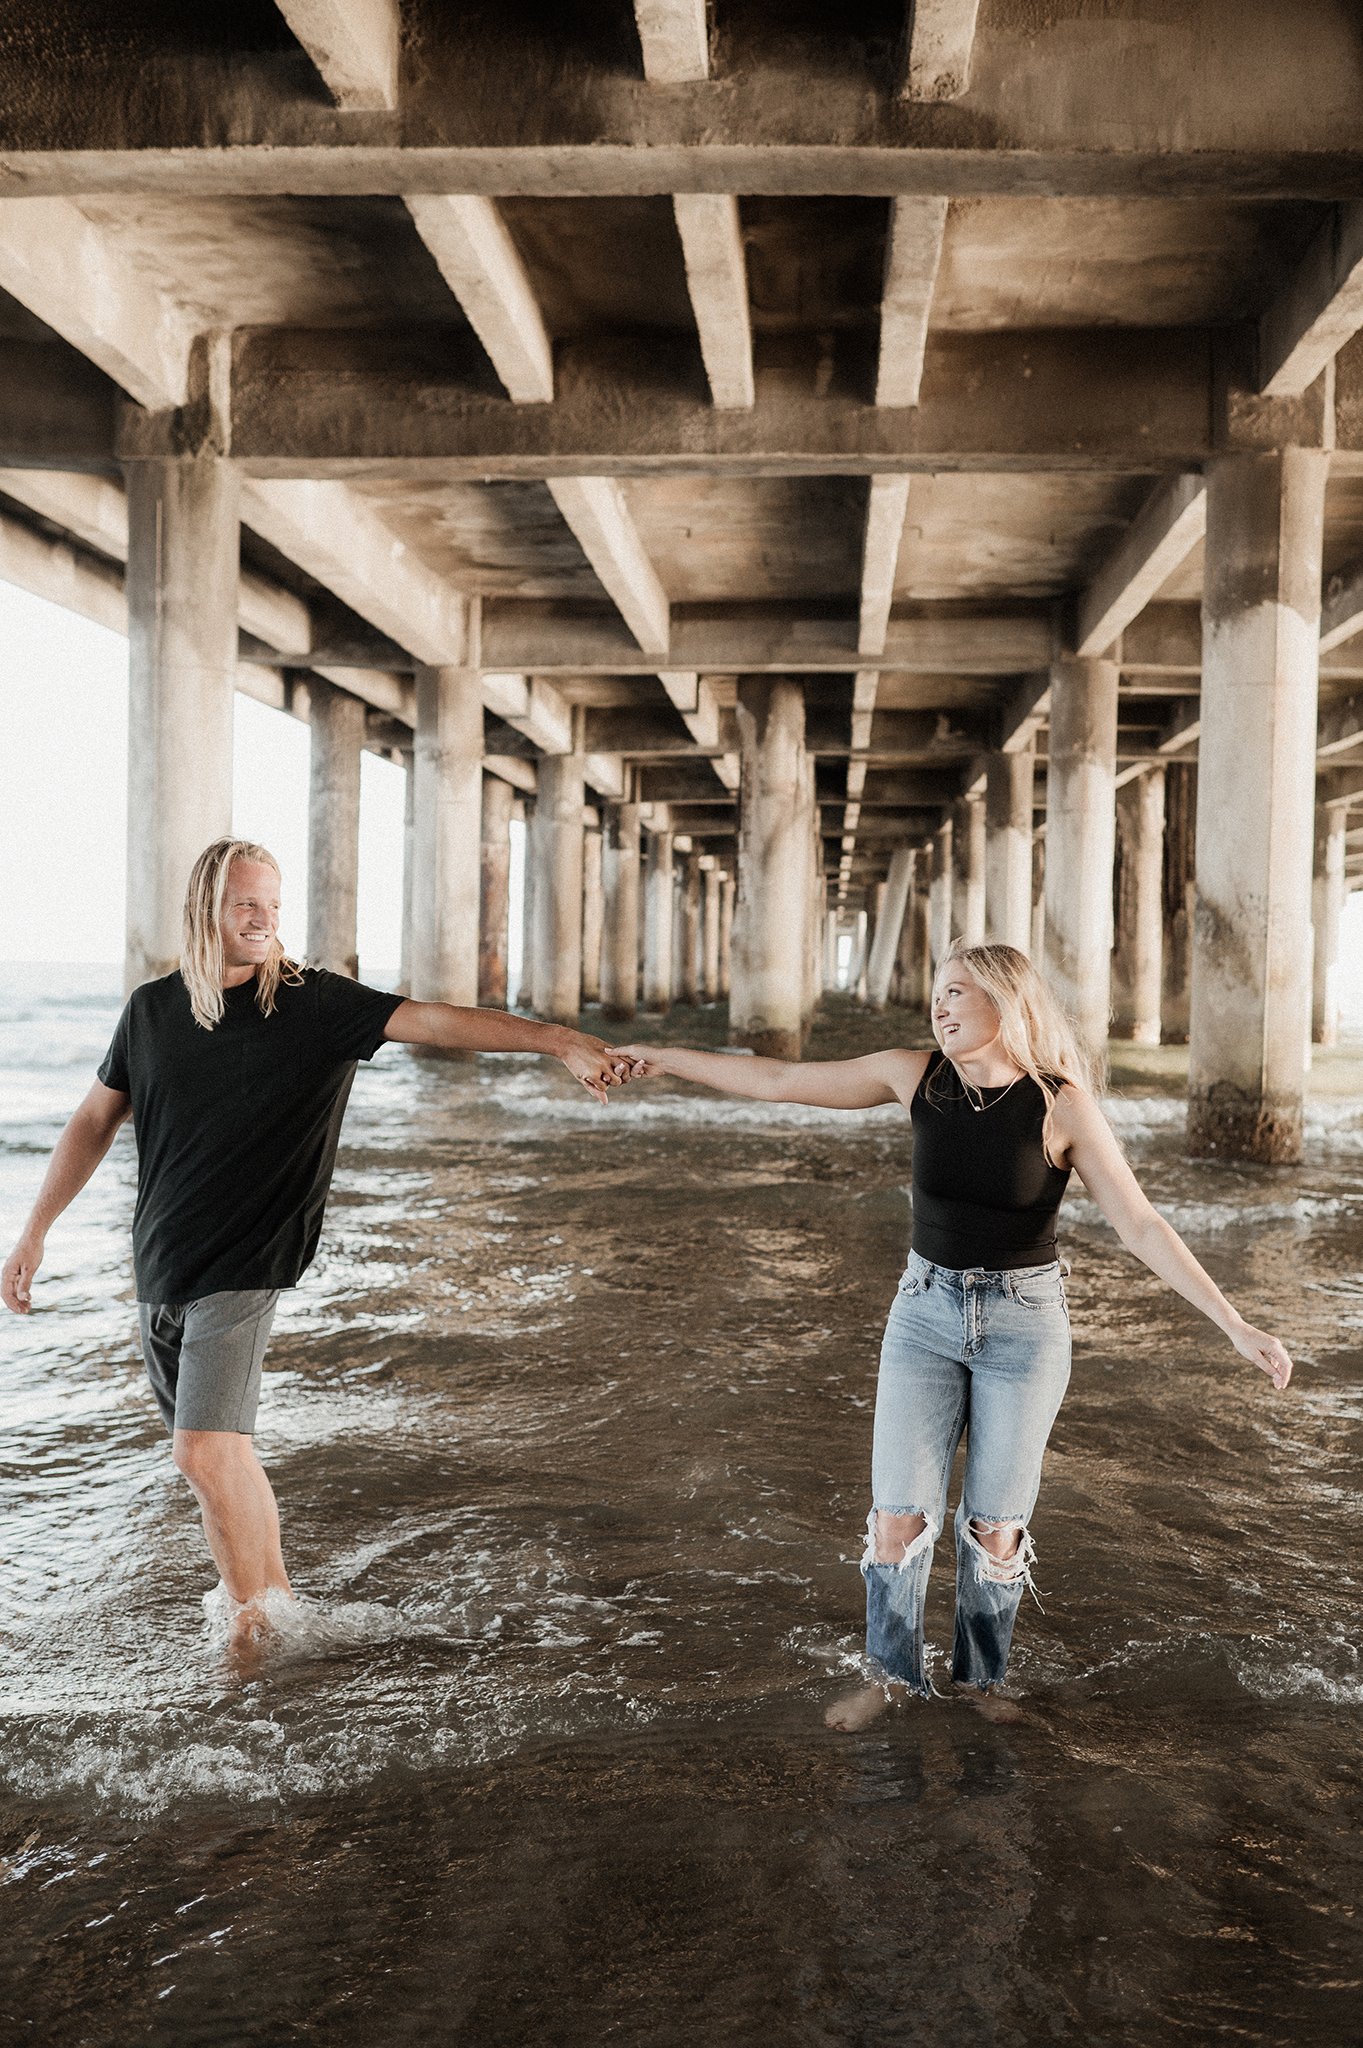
(1013,1569)
(887,1545)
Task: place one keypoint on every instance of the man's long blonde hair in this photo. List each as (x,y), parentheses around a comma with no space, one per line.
(201,964)
(1034,1030)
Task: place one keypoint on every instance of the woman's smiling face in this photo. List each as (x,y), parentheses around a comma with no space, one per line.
(964,1020)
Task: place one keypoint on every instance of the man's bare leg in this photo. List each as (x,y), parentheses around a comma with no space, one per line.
(240,1516)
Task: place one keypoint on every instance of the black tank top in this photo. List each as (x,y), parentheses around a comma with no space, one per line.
(983,1194)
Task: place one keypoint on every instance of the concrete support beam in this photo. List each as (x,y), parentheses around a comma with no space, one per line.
(1138,952)
(354,44)
(1341,614)
(940,43)
(1327,904)
(494,893)
(1008,803)
(480,263)
(183,555)
(913,252)
(694,697)
(1163,534)
(940,893)
(717,279)
(1256,801)
(1317,310)
(1080,827)
(674,39)
(621,875)
(336,723)
(56,262)
(968,839)
(447,798)
(594,508)
(774,881)
(658,903)
(885,942)
(887,508)
(555,936)
(593,909)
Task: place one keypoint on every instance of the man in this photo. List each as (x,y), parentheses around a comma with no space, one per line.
(236,1070)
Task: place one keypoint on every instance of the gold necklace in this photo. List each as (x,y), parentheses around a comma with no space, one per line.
(981,1106)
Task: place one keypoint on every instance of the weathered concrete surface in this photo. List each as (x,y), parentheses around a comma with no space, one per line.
(1179,899)
(622,884)
(689,932)
(940,913)
(774,882)
(494,901)
(658,906)
(1081,767)
(1008,804)
(1251,990)
(711,889)
(593,913)
(1138,949)
(447,801)
(337,741)
(1327,903)
(555,850)
(967,869)
(183,551)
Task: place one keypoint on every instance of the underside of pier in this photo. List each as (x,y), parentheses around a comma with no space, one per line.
(889,472)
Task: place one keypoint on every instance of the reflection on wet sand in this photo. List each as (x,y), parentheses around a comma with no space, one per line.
(570,1432)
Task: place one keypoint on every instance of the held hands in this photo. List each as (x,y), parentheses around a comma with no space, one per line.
(595,1064)
(1264,1351)
(641,1062)
(16,1281)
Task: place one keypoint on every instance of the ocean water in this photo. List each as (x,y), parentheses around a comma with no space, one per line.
(570,1428)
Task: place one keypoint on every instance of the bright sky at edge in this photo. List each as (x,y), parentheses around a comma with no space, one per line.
(63,804)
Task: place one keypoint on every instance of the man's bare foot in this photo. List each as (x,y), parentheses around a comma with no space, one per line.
(991,1706)
(856,1710)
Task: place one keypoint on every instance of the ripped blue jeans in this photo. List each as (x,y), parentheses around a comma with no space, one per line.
(987,1356)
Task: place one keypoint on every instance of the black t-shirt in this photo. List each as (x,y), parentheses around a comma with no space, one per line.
(237,1127)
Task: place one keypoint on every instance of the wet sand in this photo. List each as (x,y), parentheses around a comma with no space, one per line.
(570,1427)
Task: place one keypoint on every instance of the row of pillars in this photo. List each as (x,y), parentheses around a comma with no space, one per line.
(1252,956)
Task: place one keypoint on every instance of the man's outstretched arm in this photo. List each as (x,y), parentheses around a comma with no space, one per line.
(462,1030)
(77,1153)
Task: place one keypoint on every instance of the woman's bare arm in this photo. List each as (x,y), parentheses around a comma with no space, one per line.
(1084,1141)
(75,1156)
(878,1077)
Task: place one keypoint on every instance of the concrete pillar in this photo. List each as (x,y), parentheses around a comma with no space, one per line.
(1256,804)
(1080,826)
(658,924)
(336,734)
(183,565)
(830,949)
(726,935)
(689,974)
(815,900)
(711,879)
(918,992)
(408,838)
(593,913)
(967,865)
(495,896)
(774,880)
(1138,951)
(1008,849)
(889,928)
(1038,897)
(528,893)
(1327,904)
(555,937)
(620,875)
(1179,898)
(447,832)
(940,891)
(860,955)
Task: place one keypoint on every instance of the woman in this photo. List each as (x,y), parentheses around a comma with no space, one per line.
(978,1339)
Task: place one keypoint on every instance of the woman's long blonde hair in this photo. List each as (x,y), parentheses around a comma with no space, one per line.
(201,967)
(1034,1030)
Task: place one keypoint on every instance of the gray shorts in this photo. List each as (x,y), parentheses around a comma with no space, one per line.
(204,1357)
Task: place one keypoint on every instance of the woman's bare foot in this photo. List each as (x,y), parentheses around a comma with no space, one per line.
(991,1706)
(856,1710)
